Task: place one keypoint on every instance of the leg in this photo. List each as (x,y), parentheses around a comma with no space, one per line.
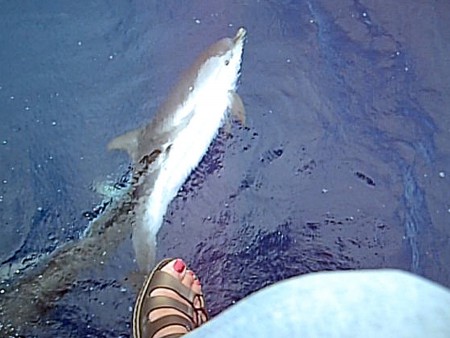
(381,303)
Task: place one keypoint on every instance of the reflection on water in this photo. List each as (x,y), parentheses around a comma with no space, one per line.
(342,163)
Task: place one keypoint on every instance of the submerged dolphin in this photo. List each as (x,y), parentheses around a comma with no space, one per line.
(180,134)
(164,153)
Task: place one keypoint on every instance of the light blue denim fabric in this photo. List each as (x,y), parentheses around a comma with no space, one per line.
(367,303)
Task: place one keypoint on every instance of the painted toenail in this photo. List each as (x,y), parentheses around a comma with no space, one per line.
(179,266)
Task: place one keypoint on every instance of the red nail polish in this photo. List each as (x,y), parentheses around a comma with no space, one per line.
(179,266)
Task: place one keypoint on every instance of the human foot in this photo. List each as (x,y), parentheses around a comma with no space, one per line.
(169,303)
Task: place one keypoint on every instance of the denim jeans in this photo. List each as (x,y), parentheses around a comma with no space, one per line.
(366,303)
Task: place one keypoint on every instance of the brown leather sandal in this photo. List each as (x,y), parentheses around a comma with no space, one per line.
(144,328)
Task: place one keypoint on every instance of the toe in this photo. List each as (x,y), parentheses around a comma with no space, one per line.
(176,268)
(196,286)
(188,279)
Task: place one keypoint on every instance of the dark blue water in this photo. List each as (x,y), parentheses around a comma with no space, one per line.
(342,164)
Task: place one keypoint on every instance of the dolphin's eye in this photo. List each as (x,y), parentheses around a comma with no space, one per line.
(227,62)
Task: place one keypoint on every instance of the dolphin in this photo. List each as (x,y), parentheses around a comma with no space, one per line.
(180,133)
(163,152)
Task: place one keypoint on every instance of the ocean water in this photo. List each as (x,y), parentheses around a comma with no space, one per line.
(343,163)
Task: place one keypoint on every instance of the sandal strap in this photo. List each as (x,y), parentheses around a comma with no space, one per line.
(150,328)
(163,280)
(200,310)
(164,302)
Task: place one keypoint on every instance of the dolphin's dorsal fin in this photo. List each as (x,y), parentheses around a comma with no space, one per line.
(237,107)
(128,142)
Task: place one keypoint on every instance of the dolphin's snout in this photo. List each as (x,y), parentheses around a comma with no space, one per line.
(240,35)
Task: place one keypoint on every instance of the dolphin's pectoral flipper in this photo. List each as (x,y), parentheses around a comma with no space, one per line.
(128,142)
(237,106)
